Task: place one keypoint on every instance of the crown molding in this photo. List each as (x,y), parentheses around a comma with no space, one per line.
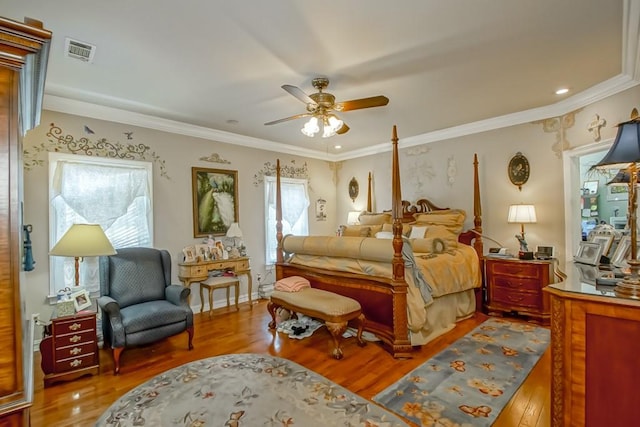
(100,112)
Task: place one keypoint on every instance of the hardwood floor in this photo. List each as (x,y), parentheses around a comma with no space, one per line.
(365,371)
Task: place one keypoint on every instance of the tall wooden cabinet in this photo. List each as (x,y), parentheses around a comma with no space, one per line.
(23,56)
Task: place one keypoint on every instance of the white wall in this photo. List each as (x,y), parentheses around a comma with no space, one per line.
(173,227)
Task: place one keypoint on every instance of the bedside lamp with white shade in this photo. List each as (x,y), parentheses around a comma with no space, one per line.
(522,214)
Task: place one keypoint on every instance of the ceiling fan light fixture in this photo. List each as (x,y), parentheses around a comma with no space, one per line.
(311,127)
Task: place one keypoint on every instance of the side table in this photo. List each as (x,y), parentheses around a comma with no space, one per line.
(70,349)
(515,286)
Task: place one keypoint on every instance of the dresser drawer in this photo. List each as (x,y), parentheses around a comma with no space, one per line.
(515,299)
(74,325)
(75,338)
(193,270)
(516,283)
(74,363)
(242,265)
(515,269)
(75,350)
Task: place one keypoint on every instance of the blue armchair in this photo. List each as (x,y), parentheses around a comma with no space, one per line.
(139,304)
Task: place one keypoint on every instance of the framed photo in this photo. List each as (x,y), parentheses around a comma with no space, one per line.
(588,253)
(215,200)
(588,273)
(605,240)
(190,253)
(590,188)
(81,300)
(619,257)
(321,210)
(617,192)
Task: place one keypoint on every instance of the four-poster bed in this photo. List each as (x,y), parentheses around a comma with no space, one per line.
(401,308)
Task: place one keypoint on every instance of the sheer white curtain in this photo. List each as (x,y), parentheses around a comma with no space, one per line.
(295,216)
(113,193)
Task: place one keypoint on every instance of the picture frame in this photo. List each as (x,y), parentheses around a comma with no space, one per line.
(81,300)
(321,210)
(619,257)
(588,253)
(617,193)
(588,273)
(215,200)
(590,188)
(603,239)
(190,254)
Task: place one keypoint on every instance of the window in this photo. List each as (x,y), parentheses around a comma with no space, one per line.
(295,217)
(117,194)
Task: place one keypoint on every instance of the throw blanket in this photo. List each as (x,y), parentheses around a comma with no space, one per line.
(244,390)
(292,284)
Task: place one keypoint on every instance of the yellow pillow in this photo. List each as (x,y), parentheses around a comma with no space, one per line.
(406,229)
(445,234)
(452,219)
(429,246)
(375,219)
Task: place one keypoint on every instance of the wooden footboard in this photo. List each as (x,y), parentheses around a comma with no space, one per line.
(384,304)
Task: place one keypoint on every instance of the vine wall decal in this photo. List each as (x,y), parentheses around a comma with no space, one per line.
(286,171)
(59,142)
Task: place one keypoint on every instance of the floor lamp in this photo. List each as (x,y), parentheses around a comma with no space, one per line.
(625,154)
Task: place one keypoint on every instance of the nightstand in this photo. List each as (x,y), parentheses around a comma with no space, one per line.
(515,286)
(70,349)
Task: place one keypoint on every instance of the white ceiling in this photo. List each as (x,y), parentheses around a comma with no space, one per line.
(213,68)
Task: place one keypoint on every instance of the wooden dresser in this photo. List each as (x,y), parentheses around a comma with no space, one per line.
(70,349)
(23,57)
(515,286)
(595,345)
(193,272)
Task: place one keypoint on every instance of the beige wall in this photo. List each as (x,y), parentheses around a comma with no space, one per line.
(173,227)
(423,174)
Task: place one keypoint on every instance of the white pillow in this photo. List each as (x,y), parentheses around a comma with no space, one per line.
(384,235)
(418,232)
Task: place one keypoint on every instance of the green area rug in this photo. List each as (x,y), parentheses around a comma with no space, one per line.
(244,390)
(469,382)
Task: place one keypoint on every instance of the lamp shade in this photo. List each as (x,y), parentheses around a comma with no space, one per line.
(625,148)
(522,214)
(234,230)
(622,178)
(83,240)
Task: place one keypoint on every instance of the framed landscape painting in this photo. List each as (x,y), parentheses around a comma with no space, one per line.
(215,200)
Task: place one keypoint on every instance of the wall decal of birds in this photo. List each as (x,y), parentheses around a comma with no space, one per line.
(129,135)
(88,130)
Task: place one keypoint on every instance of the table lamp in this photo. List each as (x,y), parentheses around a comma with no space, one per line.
(522,214)
(353,217)
(235,232)
(625,154)
(82,240)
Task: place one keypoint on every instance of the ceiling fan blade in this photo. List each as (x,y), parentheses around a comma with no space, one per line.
(286,119)
(298,93)
(357,104)
(343,129)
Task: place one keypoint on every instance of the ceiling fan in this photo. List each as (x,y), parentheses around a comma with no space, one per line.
(321,107)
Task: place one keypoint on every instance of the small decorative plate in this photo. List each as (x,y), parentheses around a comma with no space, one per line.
(518,170)
(354,189)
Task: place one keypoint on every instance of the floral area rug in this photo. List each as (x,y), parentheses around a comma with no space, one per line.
(244,390)
(469,382)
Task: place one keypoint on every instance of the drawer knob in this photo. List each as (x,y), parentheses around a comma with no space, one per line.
(75,338)
(75,363)
(75,326)
(75,350)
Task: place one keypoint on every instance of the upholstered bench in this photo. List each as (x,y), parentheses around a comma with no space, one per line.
(335,310)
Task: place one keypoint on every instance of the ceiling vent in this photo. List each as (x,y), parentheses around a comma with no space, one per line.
(79,50)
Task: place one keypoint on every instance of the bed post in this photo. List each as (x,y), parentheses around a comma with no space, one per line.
(279,254)
(397,263)
(369,204)
(477,209)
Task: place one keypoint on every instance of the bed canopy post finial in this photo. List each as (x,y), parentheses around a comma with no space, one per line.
(279,253)
(397,264)
(369,204)
(477,208)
